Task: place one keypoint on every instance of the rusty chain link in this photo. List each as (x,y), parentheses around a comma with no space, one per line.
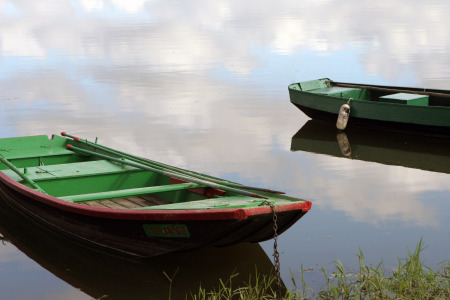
(276,255)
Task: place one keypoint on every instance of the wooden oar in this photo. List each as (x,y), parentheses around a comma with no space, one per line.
(141,159)
(162,166)
(21,174)
(390,90)
(165,172)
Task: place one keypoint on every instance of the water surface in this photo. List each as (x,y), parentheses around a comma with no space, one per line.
(203,85)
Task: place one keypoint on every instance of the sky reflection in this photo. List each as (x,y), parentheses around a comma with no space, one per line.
(115,66)
(380,194)
(203,85)
(199,35)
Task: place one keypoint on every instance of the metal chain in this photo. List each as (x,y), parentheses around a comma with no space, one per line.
(276,255)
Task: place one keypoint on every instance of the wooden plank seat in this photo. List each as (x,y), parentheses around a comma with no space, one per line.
(70,170)
(131,192)
(142,201)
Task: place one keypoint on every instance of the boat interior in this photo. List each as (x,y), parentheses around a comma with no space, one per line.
(407,96)
(99,182)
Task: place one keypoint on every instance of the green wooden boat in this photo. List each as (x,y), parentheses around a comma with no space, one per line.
(411,110)
(406,150)
(131,204)
(104,274)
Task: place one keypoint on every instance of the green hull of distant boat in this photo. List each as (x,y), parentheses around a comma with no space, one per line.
(411,110)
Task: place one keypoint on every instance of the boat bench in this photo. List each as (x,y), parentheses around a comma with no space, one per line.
(131,192)
(406,98)
(343,92)
(25,148)
(70,170)
(97,167)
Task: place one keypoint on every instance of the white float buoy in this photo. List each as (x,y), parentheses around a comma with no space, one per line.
(343,116)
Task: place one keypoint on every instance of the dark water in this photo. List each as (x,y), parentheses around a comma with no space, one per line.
(203,85)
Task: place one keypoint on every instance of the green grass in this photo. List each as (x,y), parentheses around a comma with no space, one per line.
(410,280)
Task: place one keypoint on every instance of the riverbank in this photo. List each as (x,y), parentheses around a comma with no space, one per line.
(410,280)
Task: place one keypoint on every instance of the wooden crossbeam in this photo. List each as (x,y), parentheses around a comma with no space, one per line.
(131,192)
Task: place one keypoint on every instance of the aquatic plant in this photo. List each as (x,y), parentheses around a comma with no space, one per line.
(410,280)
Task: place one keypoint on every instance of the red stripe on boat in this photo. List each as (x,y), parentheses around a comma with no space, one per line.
(177,215)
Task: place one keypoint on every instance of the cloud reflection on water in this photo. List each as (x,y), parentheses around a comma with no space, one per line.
(378,194)
(400,36)
(158,69)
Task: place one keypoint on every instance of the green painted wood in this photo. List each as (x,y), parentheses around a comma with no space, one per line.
(404,98)
(167,173)
(375,110)
(131,192)
(216,203)
(21,174)
(94,176)
(444,94)
(163,167)
(90,177)
(37,150)
(61,171)
(343,92)
(25,147)
(313,84)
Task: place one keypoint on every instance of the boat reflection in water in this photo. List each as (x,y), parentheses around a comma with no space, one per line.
(107,275)
(419,152)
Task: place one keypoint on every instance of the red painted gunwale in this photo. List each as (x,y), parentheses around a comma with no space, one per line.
(163,215)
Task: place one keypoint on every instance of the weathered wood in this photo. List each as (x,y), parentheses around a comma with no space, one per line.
(128,202)
(155,200)
(142,202)
(124,202)
(94,203)
(112,204)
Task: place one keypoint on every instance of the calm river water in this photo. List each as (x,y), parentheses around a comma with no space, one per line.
(203,85)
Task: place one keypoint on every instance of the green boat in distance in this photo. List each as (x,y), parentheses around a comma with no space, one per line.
(418,152)
(400,109)
(135,205)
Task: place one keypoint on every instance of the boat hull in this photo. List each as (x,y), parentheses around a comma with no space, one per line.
(428,120)
(108,274)
(400,127)
(135,206)
(149,237)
